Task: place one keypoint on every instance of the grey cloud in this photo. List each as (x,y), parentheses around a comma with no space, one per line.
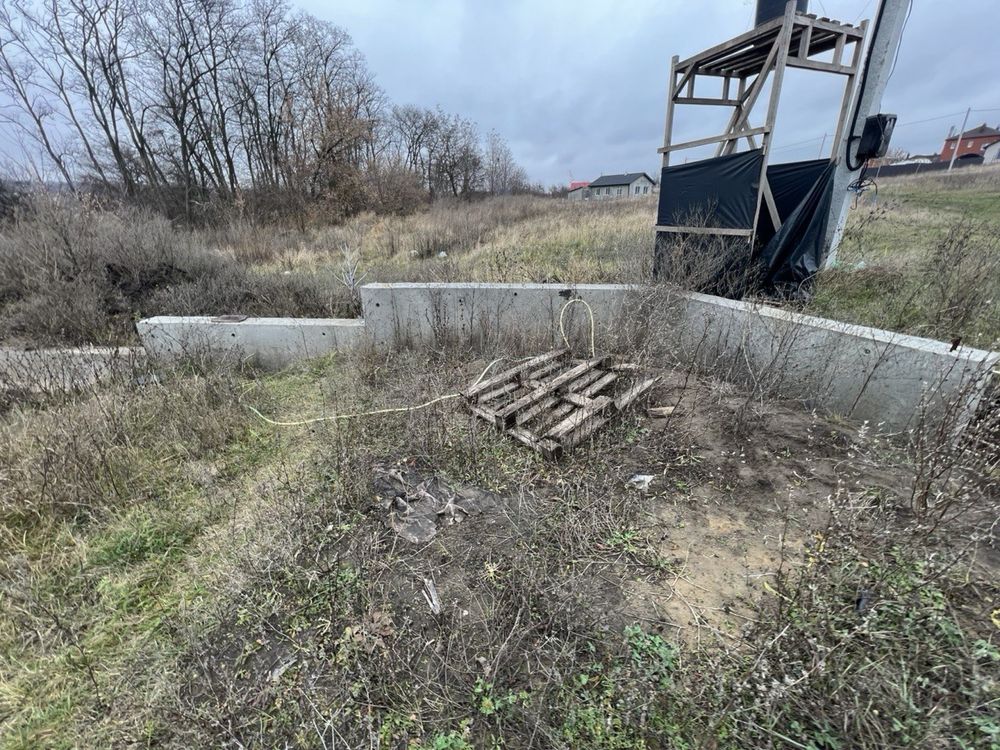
(578,87)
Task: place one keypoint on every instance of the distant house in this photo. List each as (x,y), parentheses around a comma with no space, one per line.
(991,154)
(631,185)
(578,190)
(972,143)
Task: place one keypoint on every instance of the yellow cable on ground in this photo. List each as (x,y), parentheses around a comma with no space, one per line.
(590,312)
(396,409)
(356,414)
(390,410)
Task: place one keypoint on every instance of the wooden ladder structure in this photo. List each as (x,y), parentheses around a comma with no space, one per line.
(745,64)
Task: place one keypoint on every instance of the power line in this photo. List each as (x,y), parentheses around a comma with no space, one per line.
(929,119)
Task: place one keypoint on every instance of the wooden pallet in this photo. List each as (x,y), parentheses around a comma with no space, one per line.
(552,402)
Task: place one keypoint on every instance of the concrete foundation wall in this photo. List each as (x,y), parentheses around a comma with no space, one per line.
(892,380)
(268,342)
(62,370)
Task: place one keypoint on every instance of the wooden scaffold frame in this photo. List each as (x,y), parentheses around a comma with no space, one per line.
(793,40)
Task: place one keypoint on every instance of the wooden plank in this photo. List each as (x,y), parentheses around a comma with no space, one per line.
(634,392)
(855,32)
(845,102)
(548,448)
(731,136)
(503,377)
(545,369)
(804,40)
(583,381)
(577,399)
(668,125)
(541,407)
(483,413)
(707,101)
(782,46)
(578,417)
(825,67)
(497,392)
(741,114)
(526,416)
(594,388)
(754,36)
(772,208)
(507,414)
(726,231)
(553,416)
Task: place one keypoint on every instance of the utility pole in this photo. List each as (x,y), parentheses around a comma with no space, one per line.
(958,140)
(821,146)
(887,31)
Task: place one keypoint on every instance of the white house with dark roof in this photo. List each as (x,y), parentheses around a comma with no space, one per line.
(630,185)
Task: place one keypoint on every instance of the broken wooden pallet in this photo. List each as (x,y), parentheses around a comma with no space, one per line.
(552,402)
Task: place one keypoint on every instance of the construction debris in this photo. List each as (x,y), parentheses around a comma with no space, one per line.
(417,506)
(552,402)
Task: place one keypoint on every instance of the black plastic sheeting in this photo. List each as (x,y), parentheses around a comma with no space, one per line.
(789,184)
(718,193)
(795,254)
(722,193)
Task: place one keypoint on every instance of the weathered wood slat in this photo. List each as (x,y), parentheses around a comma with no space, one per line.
(506,375)
(545,369)
(578,417)
(551,403)
(497,392)
(506,415)
(577,399)
(605,380)
(634,392)
(554,417)
(547,448)
(539,409)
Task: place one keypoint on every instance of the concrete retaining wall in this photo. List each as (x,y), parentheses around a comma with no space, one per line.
(268,342)
(889,379)
(60,370)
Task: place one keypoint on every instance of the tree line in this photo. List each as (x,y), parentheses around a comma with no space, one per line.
(192,106)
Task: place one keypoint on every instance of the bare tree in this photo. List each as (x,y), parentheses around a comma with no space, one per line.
(189,104)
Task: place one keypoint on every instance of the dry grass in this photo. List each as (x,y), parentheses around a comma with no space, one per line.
(175,573)
(923,259)
(75,273)
(520,238)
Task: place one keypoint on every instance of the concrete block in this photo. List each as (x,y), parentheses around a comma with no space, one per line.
(50,371)
(268,342)
(892,380)
(436,314)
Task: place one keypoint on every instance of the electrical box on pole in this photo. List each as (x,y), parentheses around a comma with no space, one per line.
(886,34)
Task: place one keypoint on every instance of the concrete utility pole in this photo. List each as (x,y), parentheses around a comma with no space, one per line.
(887,31)
(958,141)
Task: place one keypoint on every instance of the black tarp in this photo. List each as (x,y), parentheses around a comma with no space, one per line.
(718,193)
(790,182)
(722,193)
(792,257)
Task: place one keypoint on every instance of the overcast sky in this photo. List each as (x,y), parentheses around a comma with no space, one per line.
(578,87)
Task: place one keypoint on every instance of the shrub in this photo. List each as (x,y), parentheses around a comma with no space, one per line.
(72,272)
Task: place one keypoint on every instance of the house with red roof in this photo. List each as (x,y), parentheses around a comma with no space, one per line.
(972,142)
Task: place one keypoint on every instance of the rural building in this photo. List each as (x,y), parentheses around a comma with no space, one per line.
(578,190)
(991,154)
(972,143)
(630,185)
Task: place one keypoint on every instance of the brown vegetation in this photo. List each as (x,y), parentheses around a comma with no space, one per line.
(176,573)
